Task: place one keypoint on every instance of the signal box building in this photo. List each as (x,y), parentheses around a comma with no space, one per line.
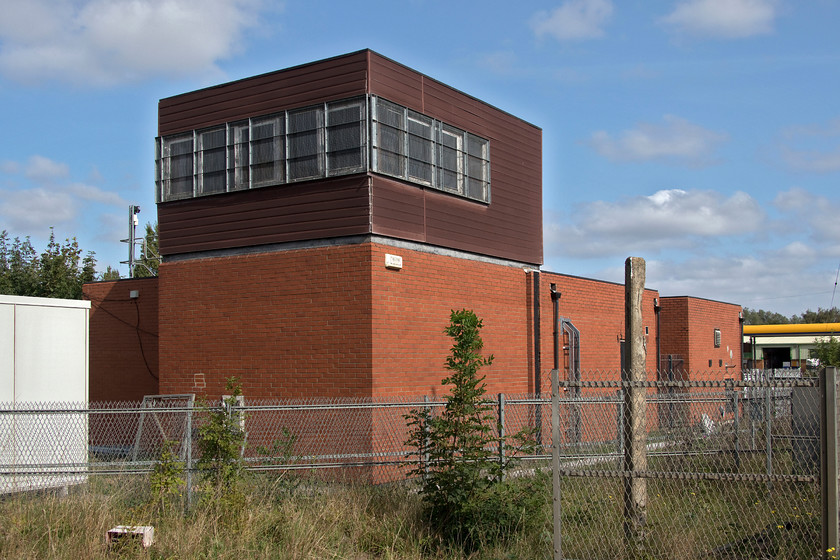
(319,223)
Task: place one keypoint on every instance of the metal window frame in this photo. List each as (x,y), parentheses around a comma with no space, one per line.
(166,165)
(198,161)
(274,119)
(444,128)
(369,147)
(360,102)
(432,148)
(321,141)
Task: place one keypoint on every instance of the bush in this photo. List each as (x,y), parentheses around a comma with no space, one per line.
(828,351)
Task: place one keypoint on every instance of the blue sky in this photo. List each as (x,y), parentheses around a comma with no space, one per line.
(701,135)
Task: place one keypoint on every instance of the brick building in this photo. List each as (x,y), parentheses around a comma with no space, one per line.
(318,224)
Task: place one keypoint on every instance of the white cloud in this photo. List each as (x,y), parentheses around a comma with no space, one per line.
(574,20)
(796,200)
(831,128)
(817,214)
(818,159)
(727,19)
(789,280)
(95,194)
(35,210)
(667,219)
(103,42)
(676,140)
(813,160)
(49,197)
(708,245)
(499,62)
(9,167)
(42,169)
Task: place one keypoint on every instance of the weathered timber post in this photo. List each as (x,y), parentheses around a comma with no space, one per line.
(555,464)
(829,462)
(635,406)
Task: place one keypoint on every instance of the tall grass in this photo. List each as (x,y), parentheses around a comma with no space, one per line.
(281,517)
(316,520)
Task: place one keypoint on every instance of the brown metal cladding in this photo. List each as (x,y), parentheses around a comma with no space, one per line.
(336,78)
(296,212)
(509,227)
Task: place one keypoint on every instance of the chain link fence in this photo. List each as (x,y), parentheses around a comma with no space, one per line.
(732,465)
(48,445)
(731,468)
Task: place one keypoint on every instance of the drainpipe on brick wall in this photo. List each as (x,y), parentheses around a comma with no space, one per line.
(537,349)
(741,344)
(555,301)
(656,309)
(537,357)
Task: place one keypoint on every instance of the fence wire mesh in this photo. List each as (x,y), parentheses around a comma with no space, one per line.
(731,468)
(732,465)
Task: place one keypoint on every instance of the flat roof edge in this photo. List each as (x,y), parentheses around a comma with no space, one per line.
(44,302)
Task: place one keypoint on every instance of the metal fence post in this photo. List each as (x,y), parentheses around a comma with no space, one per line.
(829,464)
(501,405)
(188,443)
(737,421)
(768,432)
(619,414)
(555,462)
(424,457)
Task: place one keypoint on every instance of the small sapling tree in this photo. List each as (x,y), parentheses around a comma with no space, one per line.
(167,477)
(454,446)
(220,442)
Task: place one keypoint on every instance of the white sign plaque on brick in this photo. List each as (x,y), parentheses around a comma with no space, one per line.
(393,261)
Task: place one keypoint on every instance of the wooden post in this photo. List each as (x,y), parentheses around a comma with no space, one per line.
(635,406)
(829,462)
(555,463)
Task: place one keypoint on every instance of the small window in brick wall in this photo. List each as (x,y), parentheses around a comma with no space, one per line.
(717,338)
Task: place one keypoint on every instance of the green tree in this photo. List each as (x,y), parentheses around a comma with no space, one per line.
(819,316)
(762,317)
(59,272)
(461,474)
(147,264)
(18,266)
(828,351)
(110,274)
(220,441)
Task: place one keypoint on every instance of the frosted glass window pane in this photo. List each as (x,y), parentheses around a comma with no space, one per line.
(305,144)
(212,156)
(420,148)
(450,160)
(238,158)
(345,137)
(390,138)
(268,151)
(178,167)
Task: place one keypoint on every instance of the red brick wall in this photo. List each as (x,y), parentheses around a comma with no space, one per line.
(287,324)
(688,326)
(411,308)
(334,321)
(596,309)
(123,339)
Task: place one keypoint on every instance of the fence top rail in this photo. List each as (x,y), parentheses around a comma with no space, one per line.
(696,384)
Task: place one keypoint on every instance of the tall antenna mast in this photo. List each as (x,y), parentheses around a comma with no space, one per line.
(132,239)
